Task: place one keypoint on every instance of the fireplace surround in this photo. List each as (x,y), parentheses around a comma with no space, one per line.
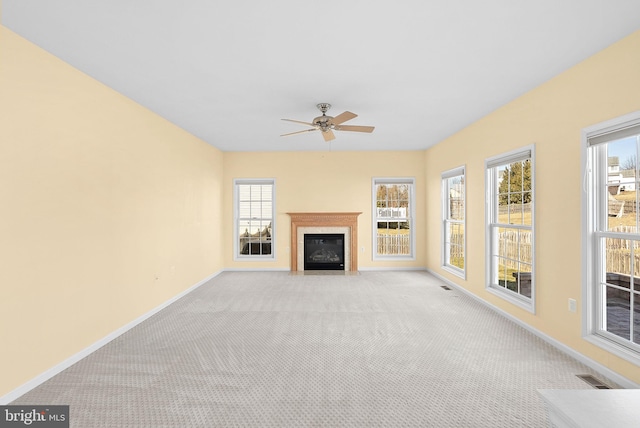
(324,223)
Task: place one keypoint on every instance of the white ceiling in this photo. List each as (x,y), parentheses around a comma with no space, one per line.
(228,71)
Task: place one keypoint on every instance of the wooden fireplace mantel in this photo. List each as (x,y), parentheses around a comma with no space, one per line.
(320,219)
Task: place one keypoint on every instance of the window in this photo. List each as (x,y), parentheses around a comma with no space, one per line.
(610,226)
(254,214)
(453,224)
(393,213)
(510,227)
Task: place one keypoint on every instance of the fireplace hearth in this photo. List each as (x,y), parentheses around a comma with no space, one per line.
(324,251)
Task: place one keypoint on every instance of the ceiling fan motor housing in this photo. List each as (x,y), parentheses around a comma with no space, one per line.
(323,122)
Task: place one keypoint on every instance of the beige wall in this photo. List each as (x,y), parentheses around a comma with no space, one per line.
(325,182)
(106,211)
(551,117)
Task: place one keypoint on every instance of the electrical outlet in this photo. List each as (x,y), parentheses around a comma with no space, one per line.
(572,305)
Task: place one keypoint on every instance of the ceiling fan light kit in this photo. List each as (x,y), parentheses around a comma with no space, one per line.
(327,124)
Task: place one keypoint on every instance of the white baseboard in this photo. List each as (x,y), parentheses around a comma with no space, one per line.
(603,370)
(256,270)
(43,377)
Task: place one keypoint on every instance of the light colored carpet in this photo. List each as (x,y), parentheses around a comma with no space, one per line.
(274,349)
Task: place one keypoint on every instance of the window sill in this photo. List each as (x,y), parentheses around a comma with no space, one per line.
(254,259)
(614,348)
(460,273)
(522,302)
(393,258)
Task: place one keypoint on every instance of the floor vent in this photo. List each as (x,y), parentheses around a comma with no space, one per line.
(593,381)
(445,287)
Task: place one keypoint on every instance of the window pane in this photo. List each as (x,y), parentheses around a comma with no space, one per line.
(256,192)
(524,279)
(244,238)
(621,185)
(457,234)
(503,278)
(455,193)
(244,209)
(503,209)
(524,247)
(244,192)
(381,195)
(526,208)
(458,257)
(636,318)
(265,247)
(507,242)
(392,192)
(618,261)
(618,314)
(447,253)
(526,178)
(455,250)
(267,192)
(457,208)
(256,210)
(403,195)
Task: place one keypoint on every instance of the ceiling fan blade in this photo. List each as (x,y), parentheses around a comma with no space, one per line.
(343,117)
(328,135)
(355,128)
(299,132)
(299,121)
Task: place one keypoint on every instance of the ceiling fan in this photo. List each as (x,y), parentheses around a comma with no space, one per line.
(328,124)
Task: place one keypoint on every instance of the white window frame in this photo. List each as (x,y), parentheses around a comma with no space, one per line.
(410,218)
(236,219)
(593,211)
(491,222)
(447,221)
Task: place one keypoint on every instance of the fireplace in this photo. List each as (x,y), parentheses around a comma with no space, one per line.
(342,223)
(324,251)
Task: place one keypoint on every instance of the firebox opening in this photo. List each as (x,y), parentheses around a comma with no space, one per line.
(324,251)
